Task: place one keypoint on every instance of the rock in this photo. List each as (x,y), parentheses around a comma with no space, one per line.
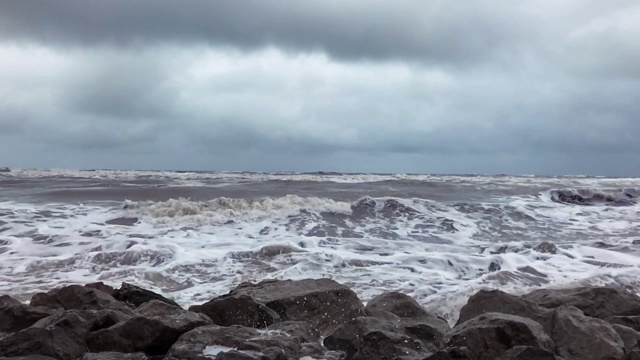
(300,329)
(61,336)
(490,335)
(4,170)
(190,346)
(485,301)
(152,335)
(494,266)
(453,353)
(135,296)
(15,316)
(580,337)
(324,303)
(76,297)
(546,247)
(28,357)
(157,308)
(122,221)
(599,302)
(349,337)
(628,321)
(528,353)
(629,337)
(242,310)
(114,356)
(384,345)
(102,287)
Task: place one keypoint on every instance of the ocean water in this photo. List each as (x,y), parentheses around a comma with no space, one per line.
(194,236)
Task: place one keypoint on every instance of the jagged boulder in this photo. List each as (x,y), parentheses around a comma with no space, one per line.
(135,296)
(581,337)
(157,308)
(152,335)
(76,297)
(529,353)
(15,316)
(485,301)
(114,356)
(490,335)
(599,302)
(242,310)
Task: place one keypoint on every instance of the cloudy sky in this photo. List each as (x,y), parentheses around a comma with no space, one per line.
(546,86)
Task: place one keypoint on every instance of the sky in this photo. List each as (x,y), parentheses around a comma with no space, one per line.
(415,86)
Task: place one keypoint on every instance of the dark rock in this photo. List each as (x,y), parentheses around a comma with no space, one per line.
(152,335)
(415,321)
(500,250)
(324,303)
(300,329)
(102,287)
(454,353)
(485,301)
(114,356)
(630,337)
(190,346)
(28,357)
(349,337)
(581,337)
(600,302)
(135,296)
(15,316)
(529,353)
(157,308)
(122,221)
(76,297)
(546,247)
(61,336)
(384,345)
(490,335)
(242,310)
(628,321)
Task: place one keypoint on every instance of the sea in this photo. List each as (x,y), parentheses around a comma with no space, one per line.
(193,236)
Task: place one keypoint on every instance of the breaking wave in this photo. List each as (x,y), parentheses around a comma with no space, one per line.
(618,197)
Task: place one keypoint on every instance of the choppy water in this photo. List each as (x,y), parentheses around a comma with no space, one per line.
(193,236)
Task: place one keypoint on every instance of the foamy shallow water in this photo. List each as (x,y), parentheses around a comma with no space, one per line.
(439,239)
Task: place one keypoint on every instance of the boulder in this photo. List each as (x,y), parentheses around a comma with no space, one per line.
(407,309)
(453,353)
(581,337)
(61,336)
(15,316)
(630,337)
(628,321)
(114,356)
(76,297)
(191,345)
(28,357)
(349,337)
(490,335)
(485,301)
(135,296)
(386,345)
(324,303)
(157,308)
(529,353)
(242,310)
(599,302)
(102,287)
(153,335)
(300,329)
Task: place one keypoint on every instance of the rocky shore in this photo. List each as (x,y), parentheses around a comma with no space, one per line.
(318,319)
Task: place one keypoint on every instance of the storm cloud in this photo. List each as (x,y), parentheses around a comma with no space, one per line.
(550,87)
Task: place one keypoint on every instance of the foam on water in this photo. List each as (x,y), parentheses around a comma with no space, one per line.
(438,252)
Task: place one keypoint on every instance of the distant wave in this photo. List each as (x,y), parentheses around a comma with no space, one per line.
(587,197)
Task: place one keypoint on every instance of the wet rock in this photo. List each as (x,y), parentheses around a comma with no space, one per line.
(242,310)
(385,345)
(15,316)
(630,337)
(152,335)
(581,337)
(114,356)
(76,297)
(494,266)
(500,250)
(102,287)
(324,303)
(157,308)
(546,247)
(135,296)
(529,353)
(490,335)
(453,353)
(349,337)
(191,345)
(485,301)
(600,302)
(28,357)
(61,336)
(628,321)
(300,329)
